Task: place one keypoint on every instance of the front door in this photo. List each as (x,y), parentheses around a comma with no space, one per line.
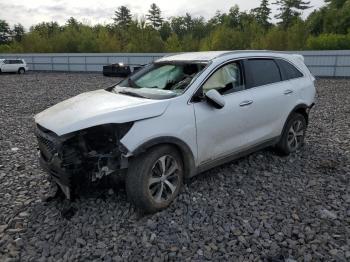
(222,131)
(6,67)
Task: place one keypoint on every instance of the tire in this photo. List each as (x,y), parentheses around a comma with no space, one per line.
(21,71)
(293,135)
(148,187)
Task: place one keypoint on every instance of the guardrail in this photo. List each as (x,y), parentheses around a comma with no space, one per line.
(321,63)
(328,63)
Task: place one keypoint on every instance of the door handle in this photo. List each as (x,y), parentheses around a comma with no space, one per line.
(288,91)
(246,103)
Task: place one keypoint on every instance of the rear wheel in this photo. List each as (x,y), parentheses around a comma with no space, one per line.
(155,178)
(293,135)
(21,71)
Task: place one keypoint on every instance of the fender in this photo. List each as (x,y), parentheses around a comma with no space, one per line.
(185,150)
(298,108)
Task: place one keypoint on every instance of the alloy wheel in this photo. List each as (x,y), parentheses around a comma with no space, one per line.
(164,179)
(295,136)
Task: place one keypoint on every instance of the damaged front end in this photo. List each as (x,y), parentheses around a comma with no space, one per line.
(77,160)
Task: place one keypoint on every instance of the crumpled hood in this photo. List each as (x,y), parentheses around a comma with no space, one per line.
(97,108)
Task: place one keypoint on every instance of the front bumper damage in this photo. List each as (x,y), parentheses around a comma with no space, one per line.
(80,159)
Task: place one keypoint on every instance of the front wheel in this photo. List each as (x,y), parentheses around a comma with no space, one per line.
(21,71)
(155,178)
(293,135)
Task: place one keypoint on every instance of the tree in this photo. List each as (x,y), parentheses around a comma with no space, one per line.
(289,10)
(329,42)
(72,22)
(315,21)
(333,18)
(188,21)
(46,29)
(232,19)
(165,30)
(144,39)
(336,3)
(154,16)
(199,28)
(18,32)
(297,35)
(122,16)
(325,28)
(223,38)
(173,44)
(178,26)
(4,32)
(218,19)
(274,39)
(262,14)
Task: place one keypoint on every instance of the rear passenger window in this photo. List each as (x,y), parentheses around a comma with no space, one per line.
(261,72)
(288,71)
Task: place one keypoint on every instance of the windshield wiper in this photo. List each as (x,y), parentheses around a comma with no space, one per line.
(131,94)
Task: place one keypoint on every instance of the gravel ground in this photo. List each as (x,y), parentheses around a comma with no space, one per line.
(260,208)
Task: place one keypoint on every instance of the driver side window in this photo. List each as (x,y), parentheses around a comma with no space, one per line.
(227,79)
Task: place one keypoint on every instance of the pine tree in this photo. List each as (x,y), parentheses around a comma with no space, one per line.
(262,14)
(4,32)
(154,16)
(18,32)
(336,3)
(122,16)
(289,10)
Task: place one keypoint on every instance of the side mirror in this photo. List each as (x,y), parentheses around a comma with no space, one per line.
(215,98)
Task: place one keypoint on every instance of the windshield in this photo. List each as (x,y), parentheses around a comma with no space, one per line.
(160,80)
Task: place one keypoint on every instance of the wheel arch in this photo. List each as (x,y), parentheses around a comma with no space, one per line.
(185,151)
(302,109)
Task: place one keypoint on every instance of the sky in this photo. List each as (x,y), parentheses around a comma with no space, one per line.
(29,12)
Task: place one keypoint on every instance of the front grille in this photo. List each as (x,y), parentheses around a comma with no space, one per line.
(49,145)
(46,143)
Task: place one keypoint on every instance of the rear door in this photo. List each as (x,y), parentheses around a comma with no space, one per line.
(295,79)
(16,64)
(271,99)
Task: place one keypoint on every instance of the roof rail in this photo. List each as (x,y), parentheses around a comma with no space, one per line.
(246,51)
(172,54)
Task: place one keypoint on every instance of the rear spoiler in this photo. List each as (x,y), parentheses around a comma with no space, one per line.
(301,57)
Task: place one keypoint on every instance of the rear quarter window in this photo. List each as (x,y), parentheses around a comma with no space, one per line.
(288,71)
(261,72)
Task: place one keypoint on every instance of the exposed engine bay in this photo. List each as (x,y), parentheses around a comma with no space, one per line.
(78,159)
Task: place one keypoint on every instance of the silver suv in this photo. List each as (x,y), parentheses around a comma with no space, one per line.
(176,118)
(13,66)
